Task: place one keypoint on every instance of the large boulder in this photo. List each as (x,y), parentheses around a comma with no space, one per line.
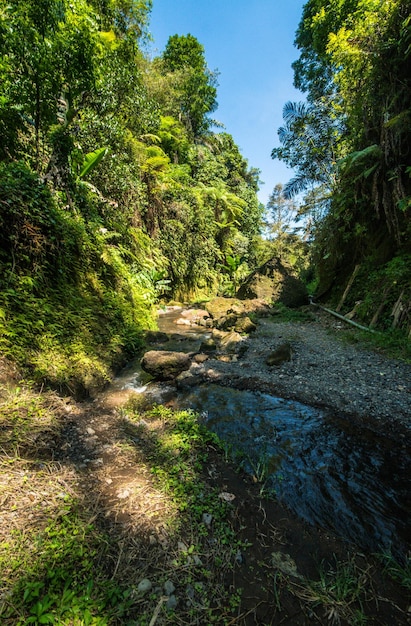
(165,365)
(219,307)
(231,313)
(274,282)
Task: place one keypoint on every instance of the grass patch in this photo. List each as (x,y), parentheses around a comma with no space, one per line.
(338,595)
(68,559)
(401,573)
(282,313)
(26,418)
(393,343)
(52,567)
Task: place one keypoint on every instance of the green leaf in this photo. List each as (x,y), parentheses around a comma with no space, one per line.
(359,156)
(91,160)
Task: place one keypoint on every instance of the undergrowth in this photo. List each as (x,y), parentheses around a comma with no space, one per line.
(74,296)
(392,343)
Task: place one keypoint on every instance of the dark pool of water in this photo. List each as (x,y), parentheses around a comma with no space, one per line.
(324,468)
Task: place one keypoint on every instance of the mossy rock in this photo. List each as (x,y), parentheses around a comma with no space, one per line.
(219,307)
(274,282)
(245,325)
(165,365)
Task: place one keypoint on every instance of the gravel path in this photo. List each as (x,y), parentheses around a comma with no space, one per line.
(325,371)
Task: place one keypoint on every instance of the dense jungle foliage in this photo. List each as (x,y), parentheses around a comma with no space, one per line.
(113,188)
(350,144)
(117,188)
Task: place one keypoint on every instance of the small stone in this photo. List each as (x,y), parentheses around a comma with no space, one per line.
(207,519)
(122,495)
(169,587)
(97,461)
(182,547)
(144,586)
(226,496)
(239,557)
(171,603)
(90,431)
(200,358)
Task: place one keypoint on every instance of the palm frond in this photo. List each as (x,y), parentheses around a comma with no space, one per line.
(295,186)
(294,111)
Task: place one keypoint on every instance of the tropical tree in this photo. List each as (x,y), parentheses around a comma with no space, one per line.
(309,141)
(195,86)
(349,141)
(50,52)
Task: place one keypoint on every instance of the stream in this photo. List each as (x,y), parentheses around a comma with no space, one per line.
(319,464)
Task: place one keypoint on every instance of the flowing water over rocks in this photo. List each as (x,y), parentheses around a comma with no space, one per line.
(346,471)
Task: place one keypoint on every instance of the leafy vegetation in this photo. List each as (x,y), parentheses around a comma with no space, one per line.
(113,188)
(349,144)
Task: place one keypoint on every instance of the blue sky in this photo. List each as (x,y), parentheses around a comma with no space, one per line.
(250,43)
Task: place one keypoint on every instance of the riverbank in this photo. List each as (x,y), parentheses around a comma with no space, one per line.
(330,368)
(115,514)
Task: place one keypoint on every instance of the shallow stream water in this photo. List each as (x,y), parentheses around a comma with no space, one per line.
(320,465)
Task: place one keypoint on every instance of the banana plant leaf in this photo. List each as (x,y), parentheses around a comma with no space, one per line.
(91,160)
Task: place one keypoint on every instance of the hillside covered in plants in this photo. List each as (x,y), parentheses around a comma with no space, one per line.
(114,189)
(349,143)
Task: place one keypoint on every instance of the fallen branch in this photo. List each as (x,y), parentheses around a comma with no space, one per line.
(345,319)
(157,610)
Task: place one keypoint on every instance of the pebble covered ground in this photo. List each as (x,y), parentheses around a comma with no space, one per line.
(326,370)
